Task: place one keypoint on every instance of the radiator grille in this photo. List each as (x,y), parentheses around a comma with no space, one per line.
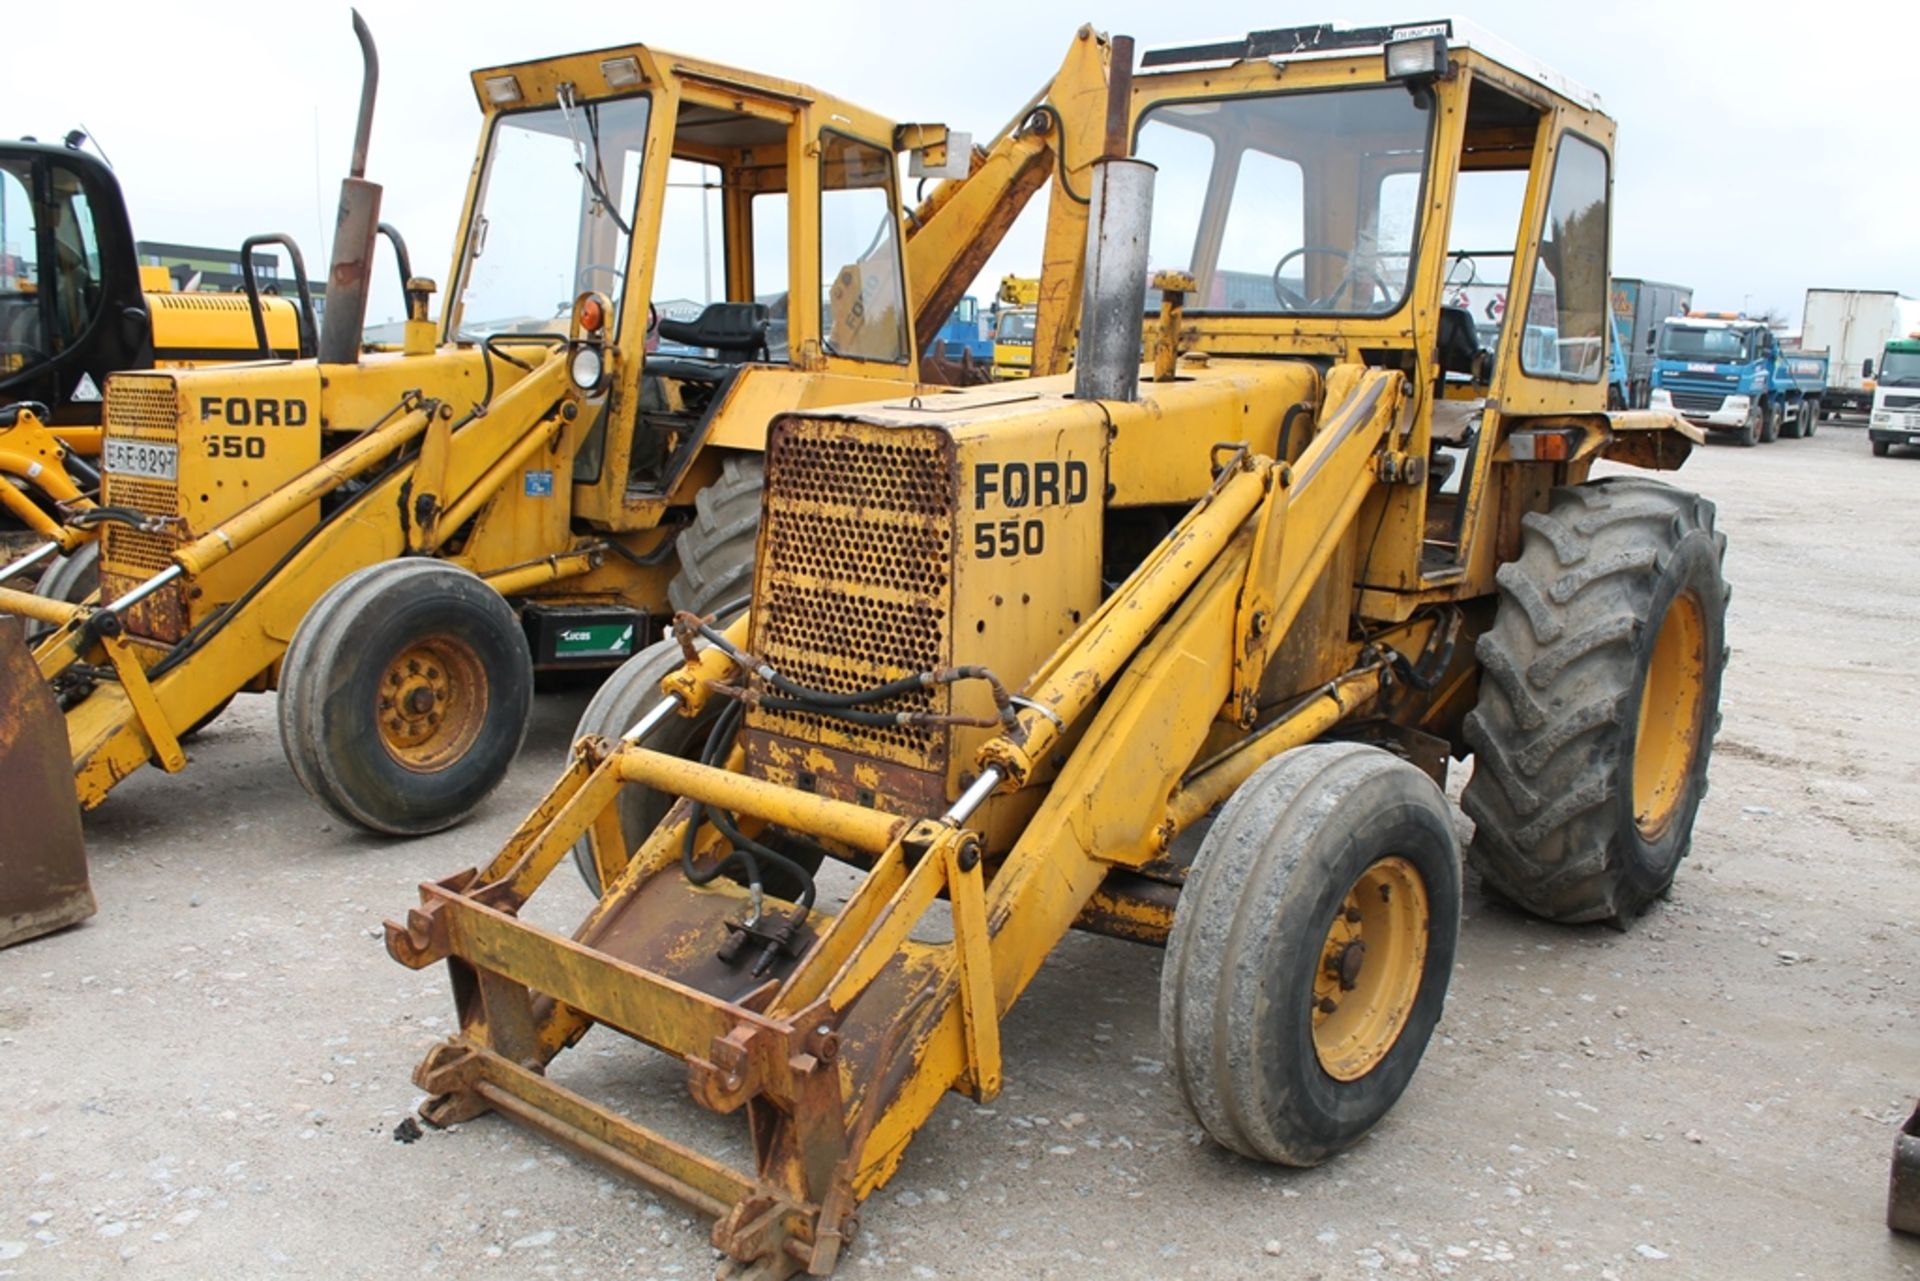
(1696,402)
(142,405)
(857,581)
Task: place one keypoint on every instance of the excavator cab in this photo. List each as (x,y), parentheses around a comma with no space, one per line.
(71,310)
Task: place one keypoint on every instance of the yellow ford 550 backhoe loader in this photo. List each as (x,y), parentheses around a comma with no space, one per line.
(395,540)
(1005,648)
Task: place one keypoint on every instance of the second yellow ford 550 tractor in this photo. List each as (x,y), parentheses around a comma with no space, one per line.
(396,540)
(1007,646)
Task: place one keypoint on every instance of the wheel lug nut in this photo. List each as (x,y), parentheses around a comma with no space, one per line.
(1326,1005)
(1353,915)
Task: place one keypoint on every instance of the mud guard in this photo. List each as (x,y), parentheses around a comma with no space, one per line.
(43,867)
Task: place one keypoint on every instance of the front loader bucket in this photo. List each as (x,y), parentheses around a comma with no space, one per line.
(1903,1188)
(43,860)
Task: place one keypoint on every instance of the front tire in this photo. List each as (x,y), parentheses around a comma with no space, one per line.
(1599,700)
(1310,951)
(1881,449)
(1792,424)
(1769,423)
(1749,433)
(615,708)
(72,579)
(404,696)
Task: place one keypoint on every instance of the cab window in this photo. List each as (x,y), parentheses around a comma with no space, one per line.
(22,330)
(1568,306)
(861,278)
(1310,200)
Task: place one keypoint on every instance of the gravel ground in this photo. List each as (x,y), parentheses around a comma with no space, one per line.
(203,1080)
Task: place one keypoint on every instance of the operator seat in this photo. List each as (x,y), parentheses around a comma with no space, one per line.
(1458,342)
(736,332)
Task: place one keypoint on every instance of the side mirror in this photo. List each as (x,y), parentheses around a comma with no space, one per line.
(1866,367)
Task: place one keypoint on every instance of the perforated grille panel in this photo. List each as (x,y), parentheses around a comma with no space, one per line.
(129,550)
(144,405)
(856,585)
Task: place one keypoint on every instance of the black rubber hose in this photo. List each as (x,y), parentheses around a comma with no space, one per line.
(820,698)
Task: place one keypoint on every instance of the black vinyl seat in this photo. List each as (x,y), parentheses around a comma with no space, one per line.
(1458,342)
(735,331)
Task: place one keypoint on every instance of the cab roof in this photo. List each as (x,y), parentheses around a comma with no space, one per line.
(1328,40)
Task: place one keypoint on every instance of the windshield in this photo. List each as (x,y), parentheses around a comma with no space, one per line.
(1700,344)
(1900,368)
(1304,202)
(552,215)
(1016,327)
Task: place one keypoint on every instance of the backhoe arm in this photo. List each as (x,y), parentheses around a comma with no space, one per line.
(1056,136)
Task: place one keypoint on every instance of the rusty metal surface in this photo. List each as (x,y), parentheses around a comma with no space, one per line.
(43,860)
(1903,1186)
(856,577)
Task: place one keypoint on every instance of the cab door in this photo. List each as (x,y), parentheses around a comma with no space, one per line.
(71,311)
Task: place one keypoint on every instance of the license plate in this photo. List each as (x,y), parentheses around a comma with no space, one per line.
(142,458)
(1913,440)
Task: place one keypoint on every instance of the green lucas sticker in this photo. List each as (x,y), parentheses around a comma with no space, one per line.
(594,640)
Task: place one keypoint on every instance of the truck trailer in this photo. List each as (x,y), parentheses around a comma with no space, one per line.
(1854,326)
(1638,308)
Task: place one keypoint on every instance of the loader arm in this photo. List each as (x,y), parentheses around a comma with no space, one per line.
(1053,139)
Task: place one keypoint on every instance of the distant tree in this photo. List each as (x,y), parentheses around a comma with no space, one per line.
(1772,317)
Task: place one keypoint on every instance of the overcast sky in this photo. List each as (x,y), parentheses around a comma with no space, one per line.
(1763,148)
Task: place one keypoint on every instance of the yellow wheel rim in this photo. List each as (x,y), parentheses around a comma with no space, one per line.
(1370,969)
(431,703)
(1671,706)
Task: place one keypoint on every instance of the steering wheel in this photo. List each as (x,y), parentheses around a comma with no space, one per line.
(1292,300)
(582,279)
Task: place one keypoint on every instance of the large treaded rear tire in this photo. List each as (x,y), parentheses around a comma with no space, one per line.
(1560,830)
(716,550)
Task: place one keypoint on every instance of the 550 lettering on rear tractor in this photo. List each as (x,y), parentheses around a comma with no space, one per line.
(1260,594)
(394,539)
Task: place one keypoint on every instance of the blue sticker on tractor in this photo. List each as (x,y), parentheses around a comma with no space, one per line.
(539,484)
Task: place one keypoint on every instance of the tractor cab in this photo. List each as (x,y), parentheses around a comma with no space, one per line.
(1418,198)
(750,191)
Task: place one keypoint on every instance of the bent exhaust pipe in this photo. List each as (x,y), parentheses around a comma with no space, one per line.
(355,227)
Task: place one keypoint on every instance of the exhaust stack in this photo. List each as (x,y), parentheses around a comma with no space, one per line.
(354,228)
(1114,302)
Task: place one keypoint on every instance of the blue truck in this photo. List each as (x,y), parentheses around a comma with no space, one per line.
(1728,374)
(967,331)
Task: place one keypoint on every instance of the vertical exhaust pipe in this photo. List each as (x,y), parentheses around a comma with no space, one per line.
(1113,303)
(354,228)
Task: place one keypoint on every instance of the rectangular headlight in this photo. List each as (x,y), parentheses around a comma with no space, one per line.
(502,91)
(622,73)
(1424,55)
